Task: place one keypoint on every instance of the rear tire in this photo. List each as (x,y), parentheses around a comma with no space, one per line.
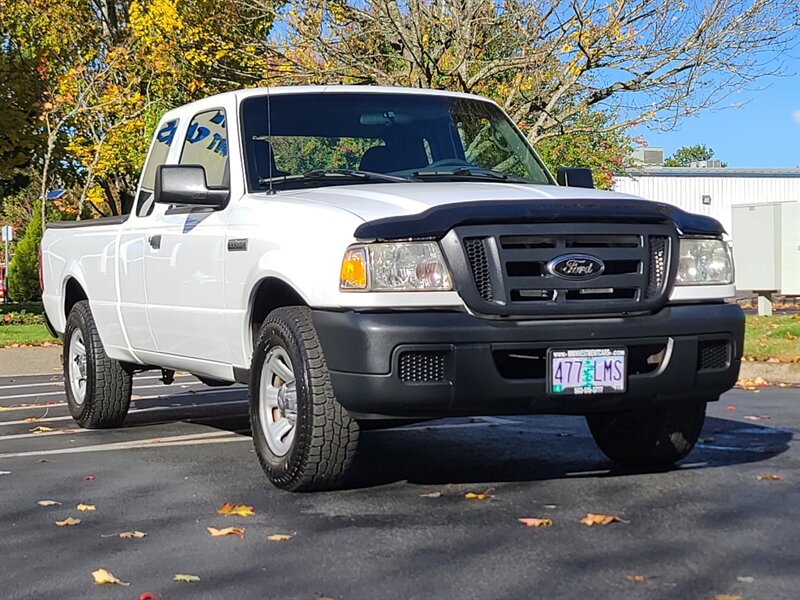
(305,439)
(98,388)
(658,437)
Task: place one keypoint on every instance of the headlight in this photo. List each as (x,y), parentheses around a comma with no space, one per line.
(395,267)
(704,261)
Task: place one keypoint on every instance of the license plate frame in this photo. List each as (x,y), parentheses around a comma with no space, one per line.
(586,356)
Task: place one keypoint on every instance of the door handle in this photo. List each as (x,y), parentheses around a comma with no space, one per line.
(154,241)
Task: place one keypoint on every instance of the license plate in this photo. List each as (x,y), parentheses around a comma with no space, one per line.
(587,371)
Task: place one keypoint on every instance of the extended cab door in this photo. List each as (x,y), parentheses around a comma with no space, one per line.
(133,243)
(184,255)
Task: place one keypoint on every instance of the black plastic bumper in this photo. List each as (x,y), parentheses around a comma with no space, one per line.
(475,367)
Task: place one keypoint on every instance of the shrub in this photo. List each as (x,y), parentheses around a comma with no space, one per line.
(23,272)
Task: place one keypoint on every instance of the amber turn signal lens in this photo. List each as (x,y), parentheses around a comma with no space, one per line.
(354,270)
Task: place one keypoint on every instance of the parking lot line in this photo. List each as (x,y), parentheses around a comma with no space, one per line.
(61,392)
(131,411)
(212,437)
(190,393)
(60,382)
(22,436)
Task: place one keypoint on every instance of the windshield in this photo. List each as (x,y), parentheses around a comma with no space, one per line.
(318,139)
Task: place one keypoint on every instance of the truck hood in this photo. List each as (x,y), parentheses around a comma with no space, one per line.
(381,200)
(423,209)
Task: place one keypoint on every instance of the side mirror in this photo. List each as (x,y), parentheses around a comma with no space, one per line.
(575,177)
(186,185)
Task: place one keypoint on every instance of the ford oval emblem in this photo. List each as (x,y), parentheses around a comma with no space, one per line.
(575,266)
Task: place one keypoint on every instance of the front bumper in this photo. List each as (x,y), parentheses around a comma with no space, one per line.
(433,364)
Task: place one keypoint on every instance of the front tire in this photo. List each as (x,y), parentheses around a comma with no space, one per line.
(304,439)
(98,388)
(657,437)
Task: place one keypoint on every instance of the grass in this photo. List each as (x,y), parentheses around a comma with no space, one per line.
(31,335)
(775,337)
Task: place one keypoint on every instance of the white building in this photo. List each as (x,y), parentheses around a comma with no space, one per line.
(712,192)
(759,208)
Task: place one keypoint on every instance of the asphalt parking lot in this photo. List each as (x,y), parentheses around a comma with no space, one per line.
(710,527)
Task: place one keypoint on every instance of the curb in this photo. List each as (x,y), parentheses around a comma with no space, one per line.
(771,372)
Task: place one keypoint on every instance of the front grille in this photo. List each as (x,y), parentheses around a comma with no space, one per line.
(509,270)
(713,354)
(476,254)
(658,265)
(422,367)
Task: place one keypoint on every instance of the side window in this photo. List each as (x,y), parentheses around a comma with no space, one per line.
(162,141)
(206,144)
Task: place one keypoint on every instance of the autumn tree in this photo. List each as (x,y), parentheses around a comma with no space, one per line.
(107,69)
(560,68)
(686,155)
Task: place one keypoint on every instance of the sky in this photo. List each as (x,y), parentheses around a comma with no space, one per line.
(765,132)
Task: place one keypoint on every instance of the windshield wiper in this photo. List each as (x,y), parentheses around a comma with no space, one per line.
(467,173)
(322,174)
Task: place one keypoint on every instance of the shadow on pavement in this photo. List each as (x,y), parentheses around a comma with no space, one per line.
(537,448)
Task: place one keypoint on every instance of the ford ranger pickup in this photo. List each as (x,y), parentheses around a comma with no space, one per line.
(364,256)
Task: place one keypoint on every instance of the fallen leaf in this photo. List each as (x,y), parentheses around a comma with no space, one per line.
(731,407)
(226,531)
(484,495)
(89,478)
(322,598)
(745,579)
(241,510)
(86,507)
(536,522)
(186,578)
(32,420)
(42,460)
(68,522)
(770,477)
(727,597)
(751,418)
(48,503)
(636,578)
(431,495)
(279,537)
(40,429)
(103,577)
(550,506)
(127,535)
(593,519)
(147,596)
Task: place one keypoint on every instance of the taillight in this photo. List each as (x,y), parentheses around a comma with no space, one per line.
(41,271)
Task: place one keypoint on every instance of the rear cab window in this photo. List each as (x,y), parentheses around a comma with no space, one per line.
(159,151)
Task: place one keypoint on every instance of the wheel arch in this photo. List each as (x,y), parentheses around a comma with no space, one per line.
(74,292)
(268,294)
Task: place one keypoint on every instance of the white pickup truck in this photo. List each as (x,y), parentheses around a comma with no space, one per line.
(368,256)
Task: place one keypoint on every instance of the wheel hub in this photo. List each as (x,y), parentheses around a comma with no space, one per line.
(278,401)
(77,366)
(287,401)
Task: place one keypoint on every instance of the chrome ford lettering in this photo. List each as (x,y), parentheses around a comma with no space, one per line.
(575,266)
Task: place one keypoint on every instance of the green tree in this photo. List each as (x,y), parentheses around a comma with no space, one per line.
(686,155)
(23,272)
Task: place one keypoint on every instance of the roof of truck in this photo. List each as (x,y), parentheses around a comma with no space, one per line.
(238,95)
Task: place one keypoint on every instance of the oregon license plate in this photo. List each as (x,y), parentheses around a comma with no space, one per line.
(587,371)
